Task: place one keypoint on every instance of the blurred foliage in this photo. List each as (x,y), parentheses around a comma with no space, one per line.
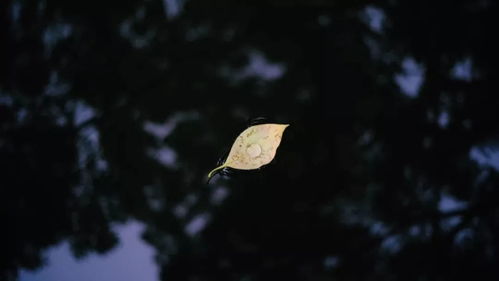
(116,110)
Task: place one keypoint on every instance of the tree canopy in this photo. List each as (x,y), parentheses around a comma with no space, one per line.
(113,110)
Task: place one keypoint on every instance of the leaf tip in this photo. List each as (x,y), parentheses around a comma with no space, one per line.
(284,126)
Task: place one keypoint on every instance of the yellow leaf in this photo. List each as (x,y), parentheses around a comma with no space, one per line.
(254,147)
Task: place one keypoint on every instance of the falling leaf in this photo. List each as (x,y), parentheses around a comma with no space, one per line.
(254,147)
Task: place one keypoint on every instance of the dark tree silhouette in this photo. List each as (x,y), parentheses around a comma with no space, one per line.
(113,110)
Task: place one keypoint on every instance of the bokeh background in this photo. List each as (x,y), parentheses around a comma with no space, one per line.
(113,112)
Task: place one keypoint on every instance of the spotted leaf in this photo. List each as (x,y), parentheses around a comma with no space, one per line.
(254,147)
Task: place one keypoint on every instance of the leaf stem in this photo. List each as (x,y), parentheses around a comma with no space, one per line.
(212,173)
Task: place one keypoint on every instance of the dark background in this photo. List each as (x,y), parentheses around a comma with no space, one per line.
(117,110)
